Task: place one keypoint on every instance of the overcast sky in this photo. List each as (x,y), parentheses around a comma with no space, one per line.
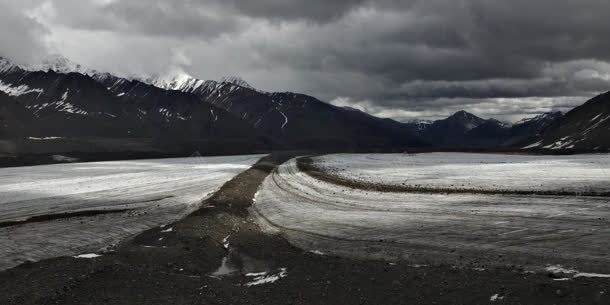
(400,59)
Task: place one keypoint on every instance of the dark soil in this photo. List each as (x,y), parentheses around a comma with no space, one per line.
(178,267)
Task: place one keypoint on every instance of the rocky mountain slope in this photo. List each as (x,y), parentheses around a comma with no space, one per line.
(74,105)
(59,101)
(298,120)
(583,128)
(181,114)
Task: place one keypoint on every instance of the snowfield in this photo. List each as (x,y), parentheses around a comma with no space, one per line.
(426,228)
(470,171)
(143,194)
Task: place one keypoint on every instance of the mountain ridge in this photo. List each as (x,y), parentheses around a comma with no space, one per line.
(186,107)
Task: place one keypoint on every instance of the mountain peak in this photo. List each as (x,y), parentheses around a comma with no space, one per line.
(6,65)
(177,81)
(464,119)
(464,114)
(236,80)
(61,64)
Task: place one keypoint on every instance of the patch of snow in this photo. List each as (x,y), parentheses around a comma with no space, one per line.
(418,266)
(496,297)
(167,230)
(225,242)
(533,145)
(17,90)
(317,252)
(45,138)
(88,255)
(285,119)
(558,269)
(266,279)
(585,274)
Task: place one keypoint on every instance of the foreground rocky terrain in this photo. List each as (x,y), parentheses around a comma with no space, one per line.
(219,255)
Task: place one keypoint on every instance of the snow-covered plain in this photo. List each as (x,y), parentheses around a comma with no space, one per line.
(155,192)
(328,218)
(470,171)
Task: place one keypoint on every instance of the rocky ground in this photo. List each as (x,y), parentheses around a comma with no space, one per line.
(218,255)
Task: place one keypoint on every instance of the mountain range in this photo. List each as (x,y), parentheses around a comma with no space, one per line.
(61,106)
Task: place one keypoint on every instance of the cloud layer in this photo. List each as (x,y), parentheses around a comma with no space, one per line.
(400,59)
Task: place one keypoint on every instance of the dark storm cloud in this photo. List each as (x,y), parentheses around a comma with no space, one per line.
(180,19)
(20,36)
(314,10)
(388,56)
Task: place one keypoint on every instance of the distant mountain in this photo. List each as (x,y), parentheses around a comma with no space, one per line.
(182,113)
(586,127)
(298,120)
(417,126)
(466,130)
(450,132)
(59,101)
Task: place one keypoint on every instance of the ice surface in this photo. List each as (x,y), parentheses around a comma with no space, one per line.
(157,191)
(322,216)
(574,173)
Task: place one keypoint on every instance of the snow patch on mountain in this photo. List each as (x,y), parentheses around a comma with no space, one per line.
(541,117)
(236,80)
(17,90)
(60,64)
(64,106)
(7,66)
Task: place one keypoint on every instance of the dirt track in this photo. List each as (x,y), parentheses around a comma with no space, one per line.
(179,266)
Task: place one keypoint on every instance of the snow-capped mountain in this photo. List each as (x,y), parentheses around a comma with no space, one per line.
(76,106)
(67,100)
(6,66)
(60,64)
(298,120)
(236,80)
(78,102)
